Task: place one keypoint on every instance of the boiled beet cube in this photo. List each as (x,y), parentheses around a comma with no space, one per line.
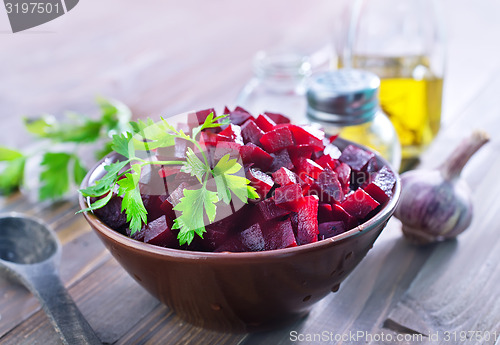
(380,187)
(281,159)
(251,133)
(344,175)
(198,118)
(372,165)
(277,139)
(324,213)
(227,147)
(233,244)
(153,205)
(111,214)
(308,167)
(239,117)
(242,110)
(330,229)
(327,161)
(208,139)
(299,152)
(159,233)
(260,181)
(328,187)
(265,123)
(231,133)
(356,157)
(338,213)
(289,197)
(269,210)
(252,238)
(169,170)
(181,146)
(151,182)
(307,231)
(277,118)
(176,195)
(307,135)
(278,234)
(251,153)
(359,204)
(284,176)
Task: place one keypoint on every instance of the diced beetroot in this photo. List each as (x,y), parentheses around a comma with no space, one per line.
(356,157)
(208,139)
(269,210)
(233,244)
(239,117)
(332,138)
(307,231)
(324,213)
(307,135)
(265,123)
(380,187)
(372,165)
(153,205)
(338,213)
(227,147)
(251,133)
(359,204)
(344,175)
(289,197)
(198,118)
(278,234)
(277,118)
(111,214)
(326,161)
(241,110)
(231,133)
(305,180)
(277,139)
(251,153)
(328,187)
(159,233)
(299,152)
(181,146)
(150,182)
(169,170)
(330,229)
(281,159)
(252,238)
(284,176)
(309,167)
(260,181)
(226,110)
(175,197)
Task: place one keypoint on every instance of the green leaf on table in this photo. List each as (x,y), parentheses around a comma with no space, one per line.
(227,181)
(79,171)
(80,129)
(194,205)
(54,177)
(132,202)
(194,165)
(115,115)
(7,154)
(12,175)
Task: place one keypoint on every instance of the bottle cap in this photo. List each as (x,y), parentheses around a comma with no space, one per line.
(343,97)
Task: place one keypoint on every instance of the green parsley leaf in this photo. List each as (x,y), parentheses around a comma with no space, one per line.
(97,204)
(106,183)
(79,170)
(122,145)
(150,135)
(54,177)
(115,116)
(7,154)
(194,165)
(193,206)
(11,176)
(227,181)
(81,129)
(132,202)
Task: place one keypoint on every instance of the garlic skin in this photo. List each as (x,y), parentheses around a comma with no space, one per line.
(436,205)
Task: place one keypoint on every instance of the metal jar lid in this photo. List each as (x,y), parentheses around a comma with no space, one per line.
(343,97)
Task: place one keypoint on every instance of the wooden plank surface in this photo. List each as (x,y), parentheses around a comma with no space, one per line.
(172,57)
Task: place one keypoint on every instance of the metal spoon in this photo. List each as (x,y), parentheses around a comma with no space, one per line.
(31,252)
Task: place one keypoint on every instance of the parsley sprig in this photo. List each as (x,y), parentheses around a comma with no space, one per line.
(122,177)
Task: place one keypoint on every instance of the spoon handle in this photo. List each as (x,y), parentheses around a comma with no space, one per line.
(63,313)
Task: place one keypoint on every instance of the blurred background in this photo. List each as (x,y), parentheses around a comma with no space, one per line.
(168,57)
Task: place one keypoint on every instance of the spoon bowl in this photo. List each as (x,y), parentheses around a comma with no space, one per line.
(30,253)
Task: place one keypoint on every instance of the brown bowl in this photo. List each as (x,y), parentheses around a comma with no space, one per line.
(242,292)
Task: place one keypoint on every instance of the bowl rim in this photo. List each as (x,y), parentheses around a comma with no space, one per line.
(186,255)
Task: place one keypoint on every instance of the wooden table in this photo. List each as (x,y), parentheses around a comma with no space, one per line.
(168,57)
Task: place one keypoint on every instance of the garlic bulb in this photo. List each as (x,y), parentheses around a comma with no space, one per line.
(436,204)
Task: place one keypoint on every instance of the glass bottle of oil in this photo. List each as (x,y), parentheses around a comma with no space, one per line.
(403,43)
(345,102)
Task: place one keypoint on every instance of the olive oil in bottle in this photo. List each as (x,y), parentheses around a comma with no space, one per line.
(410,95)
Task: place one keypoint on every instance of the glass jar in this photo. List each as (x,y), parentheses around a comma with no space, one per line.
(278,85)
(345,102)
(403,43)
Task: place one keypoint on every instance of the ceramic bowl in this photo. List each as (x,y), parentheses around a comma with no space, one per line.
(241,292)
